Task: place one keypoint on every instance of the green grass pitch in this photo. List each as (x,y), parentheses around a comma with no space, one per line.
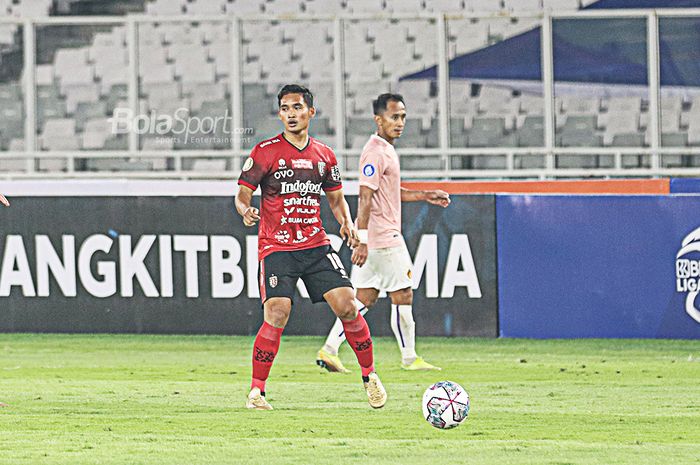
(131,399)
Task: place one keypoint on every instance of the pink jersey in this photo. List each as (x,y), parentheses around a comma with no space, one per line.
(379,170)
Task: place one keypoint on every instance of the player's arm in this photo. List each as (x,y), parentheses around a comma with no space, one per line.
(244,197)
(436,197)
(359,255)
(4,201)
(341,211)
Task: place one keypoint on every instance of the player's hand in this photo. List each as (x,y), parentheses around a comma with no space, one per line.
(251,216)
(4,200)
(359,255)
(438,197)
(349,234)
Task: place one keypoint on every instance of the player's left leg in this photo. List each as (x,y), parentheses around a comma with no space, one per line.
(404,328)
(342,302)
(325,279)
(327,356)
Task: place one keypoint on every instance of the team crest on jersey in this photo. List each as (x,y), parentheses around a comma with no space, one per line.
(321,168)
(335,174)
(273,281)
(302,164)
(282,163)
(248,164)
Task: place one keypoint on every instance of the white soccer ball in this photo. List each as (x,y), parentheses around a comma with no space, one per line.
(445,404)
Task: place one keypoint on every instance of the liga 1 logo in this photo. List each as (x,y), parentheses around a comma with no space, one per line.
(688,272)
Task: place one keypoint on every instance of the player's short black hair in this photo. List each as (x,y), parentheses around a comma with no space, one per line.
(379,105)
(296,89)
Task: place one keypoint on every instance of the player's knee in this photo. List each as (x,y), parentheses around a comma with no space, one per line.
(347,311)
(402,297)
(277,315)
(369,301)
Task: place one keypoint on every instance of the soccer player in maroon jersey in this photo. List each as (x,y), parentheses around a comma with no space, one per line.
(291,170)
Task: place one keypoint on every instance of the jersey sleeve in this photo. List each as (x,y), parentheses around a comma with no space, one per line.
(332,180)
(254,170)
(371,169)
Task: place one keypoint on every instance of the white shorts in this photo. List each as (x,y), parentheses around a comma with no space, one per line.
(388,269)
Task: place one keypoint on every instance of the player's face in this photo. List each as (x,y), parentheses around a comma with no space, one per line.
(392,121)
(295,114)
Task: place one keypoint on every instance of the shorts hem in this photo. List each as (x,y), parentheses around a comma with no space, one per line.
(322,299)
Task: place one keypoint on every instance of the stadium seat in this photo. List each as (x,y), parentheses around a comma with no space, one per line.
(531,104)
(465,36)
(44,75)
(245,7)
(531,133)
(365,6)
(283,7)
(80,93)
(59,134)
(213,165)
(560,5)
(678,139)
(486,131)
(404,6)
(633,139)
(483,6)
(161,92)
(95,134)
(523,6)
(694,132)
(87,111)
(11,91)
(152,142)
(200,93)
(623,122)
(444,5)
(70,60)
(205,7)
(165,7)
(32,9)
(419,162)
(616,104)
(323,7)
(575,105)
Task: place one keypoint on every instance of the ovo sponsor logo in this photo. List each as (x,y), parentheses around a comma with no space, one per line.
(283,174)
(688,272)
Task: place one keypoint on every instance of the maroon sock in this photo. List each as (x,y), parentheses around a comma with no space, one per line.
(267,343)
(357,335)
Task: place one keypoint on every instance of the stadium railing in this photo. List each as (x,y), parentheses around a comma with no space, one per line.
(447,160)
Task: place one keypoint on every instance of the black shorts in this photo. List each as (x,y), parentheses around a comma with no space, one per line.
(320,268)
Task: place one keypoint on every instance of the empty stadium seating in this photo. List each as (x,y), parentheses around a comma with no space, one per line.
(186,65)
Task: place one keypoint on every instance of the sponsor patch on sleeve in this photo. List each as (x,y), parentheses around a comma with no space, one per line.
(248,164)
(368,170)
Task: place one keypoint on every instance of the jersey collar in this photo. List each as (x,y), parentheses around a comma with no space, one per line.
(308,141)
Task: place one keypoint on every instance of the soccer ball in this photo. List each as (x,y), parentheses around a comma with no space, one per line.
(445,404)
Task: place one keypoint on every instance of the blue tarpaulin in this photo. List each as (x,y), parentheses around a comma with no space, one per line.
(602,51)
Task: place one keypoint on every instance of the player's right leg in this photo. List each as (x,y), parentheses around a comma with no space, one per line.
(277,286)
(327,356)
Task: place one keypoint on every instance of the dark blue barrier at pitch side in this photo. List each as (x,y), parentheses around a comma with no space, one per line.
(685,185)
(598,266)
(175,264)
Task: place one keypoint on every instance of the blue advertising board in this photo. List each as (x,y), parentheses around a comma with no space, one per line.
(598,266)
(685,185)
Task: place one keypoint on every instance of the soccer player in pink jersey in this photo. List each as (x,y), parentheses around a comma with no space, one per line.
(291,170)
(382,262)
